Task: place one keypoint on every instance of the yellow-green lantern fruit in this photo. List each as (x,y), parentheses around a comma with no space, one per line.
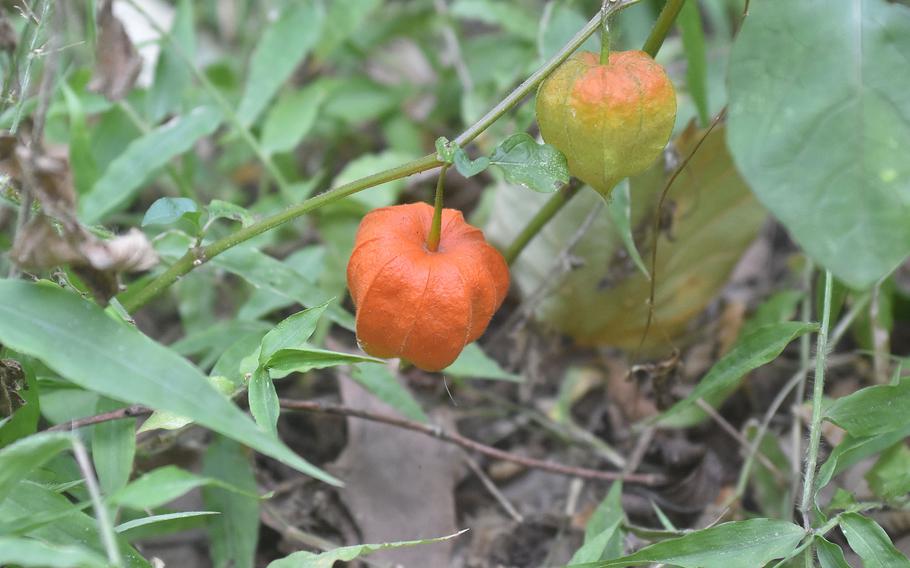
(611,121)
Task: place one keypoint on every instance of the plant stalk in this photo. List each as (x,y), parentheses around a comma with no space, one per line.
(662,26)
(436,226)
(549,210)
(821,351)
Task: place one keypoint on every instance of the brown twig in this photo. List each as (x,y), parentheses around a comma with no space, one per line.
(427,429)
(468,444)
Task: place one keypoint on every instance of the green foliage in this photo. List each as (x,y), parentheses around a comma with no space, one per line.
(347,553)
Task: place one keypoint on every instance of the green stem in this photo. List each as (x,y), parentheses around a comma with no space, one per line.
(196,257)
(604,35)
(818,391)
(436,225)
(662,26)
(540,219)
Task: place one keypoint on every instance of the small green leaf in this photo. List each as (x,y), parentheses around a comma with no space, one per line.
(693,38)
(235,532)
(19,458)
(169,210)
(161,486)
(738,544)
(282,46)
(113,448)
(756,349)
(603,536)
(619,206)
(852,450)
(328,559)
(29,552)
(468,167)
(302,359)
(870,542)
(143,158)
(291,332)
(170,421)
(473,363)
(159,525)
(540,167)
(829,554)
(891,404)
(385,386)
(264,401)
(218,209)
(291,118)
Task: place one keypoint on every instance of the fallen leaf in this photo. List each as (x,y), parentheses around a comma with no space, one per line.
(118,63)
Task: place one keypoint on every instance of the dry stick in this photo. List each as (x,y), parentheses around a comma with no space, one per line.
(736,435)
(494,491)
(450,437)
(467,443)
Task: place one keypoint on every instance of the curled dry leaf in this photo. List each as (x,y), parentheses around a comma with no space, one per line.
(118,62)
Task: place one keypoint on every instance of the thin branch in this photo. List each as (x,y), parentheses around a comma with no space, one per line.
(736,435)
(126,412)
(467,443)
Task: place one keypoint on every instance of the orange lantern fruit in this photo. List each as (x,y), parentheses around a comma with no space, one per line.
(610,120)
(423,306)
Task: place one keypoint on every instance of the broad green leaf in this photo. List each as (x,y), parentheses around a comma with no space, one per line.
(619,207)
(169,210)
(445,150)
(142,159)
(24,421)
(829,554)
(74,527)
(82,344)
(235,532)
(218,336)
(161,486)
(30,552)
(218,209)
(603,536)
(263,271)
(291,332)
(738,544)
(291,118)
(19,458)
(870,542)
(827,153)
(159,525)
(172,75)
(473,363)
(889,478)
(891,404)
(752,351)
(82,162)
(304,359)
(263,401)
(113,448)
(386,387)
(540,167)
(328,559)
(693,38)
(308,261)
(282,46)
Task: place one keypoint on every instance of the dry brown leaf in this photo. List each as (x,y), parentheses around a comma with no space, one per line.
(399,485)
(118,63)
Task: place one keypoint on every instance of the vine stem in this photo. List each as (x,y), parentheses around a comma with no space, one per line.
(662,26)
(540,219)
(436,226)
(193,258)
(818,390)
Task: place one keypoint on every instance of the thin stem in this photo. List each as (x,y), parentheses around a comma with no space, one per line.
(196,257)
(662,27)
(805,348)
(604,34)
(818,391)
(108,537)
(540,219)
(531,82)
(436,226)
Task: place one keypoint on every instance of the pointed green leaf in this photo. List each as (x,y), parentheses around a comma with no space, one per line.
(29,552)
(303,359)
(540,167)
(264,401)
(291,332)
(235,532)
(870,542)
(891,404)
(19,458)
